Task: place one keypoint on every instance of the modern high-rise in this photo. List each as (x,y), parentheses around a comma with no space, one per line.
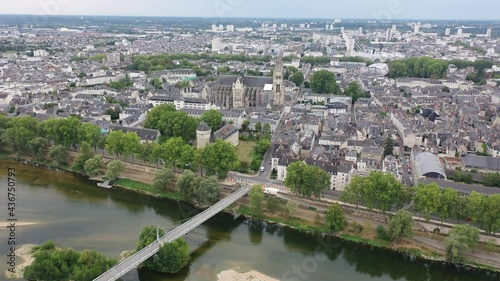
(216,44)
(416,29)
(388,35)
(488,32)
(447,32)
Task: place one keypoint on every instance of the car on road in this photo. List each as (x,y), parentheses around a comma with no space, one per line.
(262,169)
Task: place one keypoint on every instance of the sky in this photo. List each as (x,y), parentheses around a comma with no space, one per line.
(372,9)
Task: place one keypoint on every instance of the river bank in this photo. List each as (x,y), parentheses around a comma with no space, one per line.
(24,253)
(5,225)
(308,220)
(233,275)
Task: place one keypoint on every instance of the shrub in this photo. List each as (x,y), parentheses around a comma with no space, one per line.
(357,228)
(382,233)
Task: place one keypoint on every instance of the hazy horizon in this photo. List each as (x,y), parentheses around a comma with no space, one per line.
(482,10)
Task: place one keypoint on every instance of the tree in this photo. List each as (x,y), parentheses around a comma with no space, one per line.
(171,123)
(38,147)
(94,165)
(146,152)
(114,143)
(171,257)
(388,146)
(198,160)
(335,218)
(355,91)
(401,226)
(461,240)
(51,263)
(492,179)
(208,192)
(258,127)
(188,184)
(324,82)
(172,151)
(91,265)
(490,218)
(398,69)
(306,180)
(163,178)
(89,133)
(475,206)
(257,199)
(267,129)
(427,199)
(115,168)
(213,118)
(21,130)
(297,78)
(291,208)
(86,154)
(219,158)
(157,83)
(246,124)
(131,144)
(148,235)
(448,203)
(460,176)
(59,155)
(273,204)
(187,156)
(353,194)
(378,191)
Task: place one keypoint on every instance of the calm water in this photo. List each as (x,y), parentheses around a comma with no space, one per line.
(73,212)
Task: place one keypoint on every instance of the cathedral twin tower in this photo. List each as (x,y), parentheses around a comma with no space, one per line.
(279,82)
(235,91)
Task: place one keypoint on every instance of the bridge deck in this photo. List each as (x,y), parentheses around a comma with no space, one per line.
(135,260)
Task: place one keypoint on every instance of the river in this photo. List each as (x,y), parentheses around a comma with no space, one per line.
(75,213)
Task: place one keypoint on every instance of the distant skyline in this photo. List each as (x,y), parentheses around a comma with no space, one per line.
(369,9)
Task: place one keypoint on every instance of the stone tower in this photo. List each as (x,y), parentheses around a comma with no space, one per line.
(203,135)
(279,82)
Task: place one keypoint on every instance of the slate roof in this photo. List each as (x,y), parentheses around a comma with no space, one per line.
(462,188)
(481,162)
(203,127)
(248,81)
(144,134)
(225,132)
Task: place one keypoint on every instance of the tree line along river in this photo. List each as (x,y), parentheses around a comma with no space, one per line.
(74,212)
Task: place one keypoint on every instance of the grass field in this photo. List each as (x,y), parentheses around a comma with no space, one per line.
(148,189)
(245,150)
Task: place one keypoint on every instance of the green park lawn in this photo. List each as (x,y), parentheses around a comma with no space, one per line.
(245,151)
(148,189)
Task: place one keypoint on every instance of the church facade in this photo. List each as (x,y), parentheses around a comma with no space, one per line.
(233,91)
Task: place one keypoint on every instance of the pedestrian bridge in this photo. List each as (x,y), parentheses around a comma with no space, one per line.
(135,260)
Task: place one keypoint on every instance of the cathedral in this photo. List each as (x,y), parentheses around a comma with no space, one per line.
(233,91)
